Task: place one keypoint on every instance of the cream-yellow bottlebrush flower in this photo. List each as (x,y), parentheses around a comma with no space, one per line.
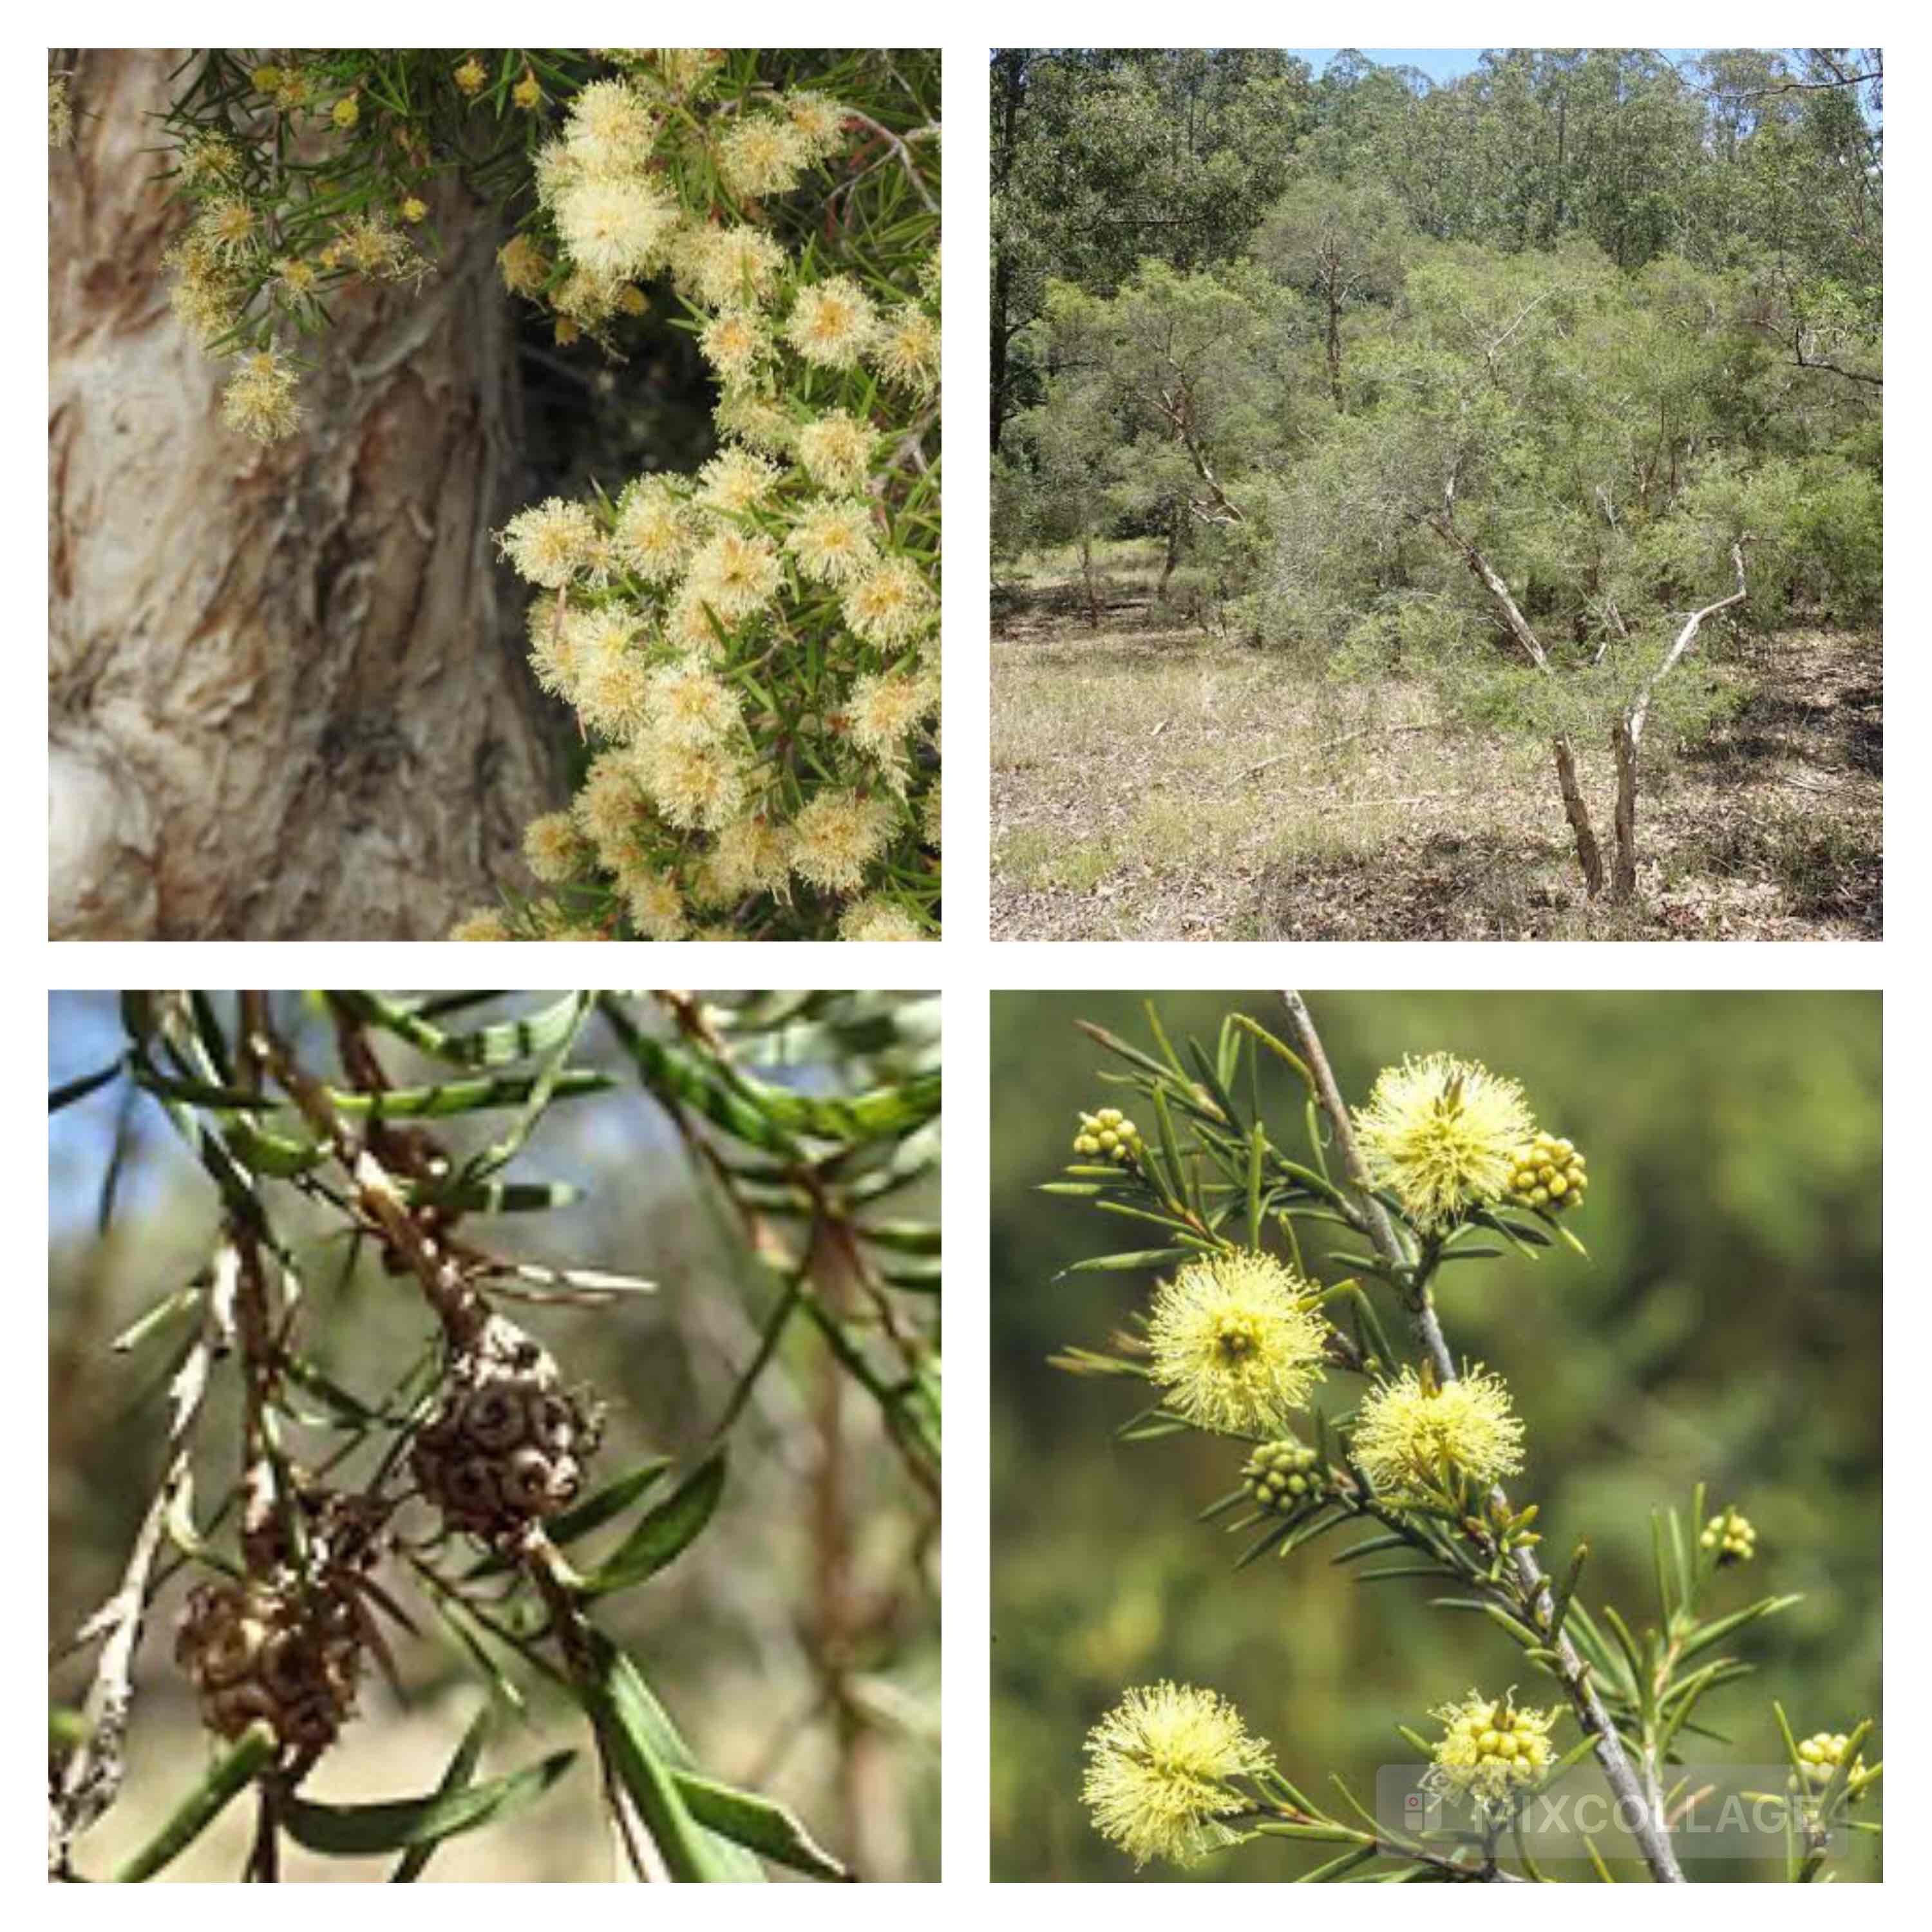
(1160,1767)
(890,605)
(694,786)
(752,417)
(260,398)
(883,706)
(481,927)
(550,543)
(1237,1342)
(1441,1134)
(655,531)
(614,227)
(523,266)
(553,848)
(1491,1753)
(762,155)
(1407,1433)
(728,268)
(836,450)
(908,350)
(735,574)
(832,322)
(752,855)
(874,920)
(833,542)
(60,113)
(656,907)
(611,808)
(837,836)
(734,343)
(689,706)
(611,128)
(735,480)
(820,123)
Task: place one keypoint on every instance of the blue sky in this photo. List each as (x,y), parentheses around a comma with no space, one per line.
(1439,63)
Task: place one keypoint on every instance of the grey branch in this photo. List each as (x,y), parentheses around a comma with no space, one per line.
(1647,1822)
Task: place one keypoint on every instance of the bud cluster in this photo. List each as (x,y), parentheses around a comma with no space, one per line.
(1108,1135)
(1281,1476)
(1731,1535)
(1548,1174)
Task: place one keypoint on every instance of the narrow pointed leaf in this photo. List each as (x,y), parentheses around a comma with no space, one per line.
(665,1532)
(361,1831)
(233,1772)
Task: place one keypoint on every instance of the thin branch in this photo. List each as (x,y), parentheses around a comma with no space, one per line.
(1646,1822)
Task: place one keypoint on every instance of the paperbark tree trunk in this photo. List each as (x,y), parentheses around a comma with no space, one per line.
(283,701)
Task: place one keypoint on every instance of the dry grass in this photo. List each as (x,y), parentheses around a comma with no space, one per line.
(1125,803)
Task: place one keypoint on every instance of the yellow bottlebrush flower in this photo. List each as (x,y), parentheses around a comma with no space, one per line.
(266,79)
(762,155)
(485,924)
(469,77)
(883,706)
(555,169)
(730,267)
(295,275)
(734,343)
(206,295)
(1406,1432)
(906,351)
(752,855)
(735,480)
(373,246)
(528,93)
(614,227)
(260,398)
(1237,1342)
(346,112)
(551,543)
(685,71)
(837,836)
(735,574)
(833,542)
(1160,1772)
(1549,1174)
(1730,1535)
(227,227)
(655,531)
(207,157)
(1491,1753)
(832,322)
(656,907)
(878,921)
(553,848)
(836,450)
(1441,1134)
(890,605)
(414,208)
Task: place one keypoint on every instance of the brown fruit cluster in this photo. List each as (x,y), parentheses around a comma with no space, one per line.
(263,1649)
(507,1444)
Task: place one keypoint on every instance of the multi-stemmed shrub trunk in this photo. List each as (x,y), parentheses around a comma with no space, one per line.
(1626,734)
(281,700)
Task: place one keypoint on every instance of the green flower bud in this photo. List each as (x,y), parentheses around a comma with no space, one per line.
(1547,1175)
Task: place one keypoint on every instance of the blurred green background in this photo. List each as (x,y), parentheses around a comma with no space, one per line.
(1727,1328)
(795,1643)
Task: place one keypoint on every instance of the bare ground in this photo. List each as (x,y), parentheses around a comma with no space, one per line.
(1127,802)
